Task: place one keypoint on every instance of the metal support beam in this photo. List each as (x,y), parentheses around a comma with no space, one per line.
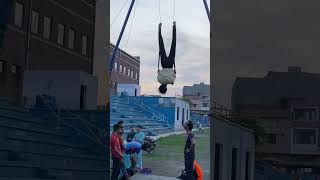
(120,36)
(207,9)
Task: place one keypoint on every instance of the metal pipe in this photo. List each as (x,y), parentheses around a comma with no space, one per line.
(120,36)
(207,9)
(29,35)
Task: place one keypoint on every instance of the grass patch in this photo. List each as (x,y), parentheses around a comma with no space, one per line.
(171,147)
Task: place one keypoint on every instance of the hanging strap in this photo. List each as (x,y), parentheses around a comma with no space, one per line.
(159,62)
(160,12)
(174,9)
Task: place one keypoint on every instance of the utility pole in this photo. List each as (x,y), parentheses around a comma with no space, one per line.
(120,36)
(28,35)
(207,9)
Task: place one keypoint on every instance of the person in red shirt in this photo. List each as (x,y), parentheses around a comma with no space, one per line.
(121,123)
(122,150)
(116,153)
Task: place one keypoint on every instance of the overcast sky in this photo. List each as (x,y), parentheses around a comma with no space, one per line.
(193,39)
(252,37)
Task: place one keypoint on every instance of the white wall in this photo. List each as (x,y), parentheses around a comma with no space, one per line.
(182,105)
(64,85)
(129,88)
(233,136)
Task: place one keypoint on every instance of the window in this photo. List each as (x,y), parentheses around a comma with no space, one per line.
(46,27)
(248,166)
(34,22)
(128,72)
(84,45)
(115,66)
(71,36)
(305,136)
(136,75)
(234,164)
(120,69)
(182,115)
(178,113)
(18,15)
(217,161)
(304,114)
(132,74)
(124,70)
(205,104)
(83,96)
(61,34)
(270,139)
(187,114)
(14,69)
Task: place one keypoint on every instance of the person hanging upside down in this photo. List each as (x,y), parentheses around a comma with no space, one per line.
(168,74)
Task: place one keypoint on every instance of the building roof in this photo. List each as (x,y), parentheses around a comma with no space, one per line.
(270,90)
(202,89)
(137,58)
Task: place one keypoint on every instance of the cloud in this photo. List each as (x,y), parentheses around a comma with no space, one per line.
(193,43)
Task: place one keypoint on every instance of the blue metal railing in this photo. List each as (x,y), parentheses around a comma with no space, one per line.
(56,109)
(160,117)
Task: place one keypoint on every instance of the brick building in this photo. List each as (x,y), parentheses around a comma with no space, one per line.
(286,105)
(45,35)
(199,96)
(126,69)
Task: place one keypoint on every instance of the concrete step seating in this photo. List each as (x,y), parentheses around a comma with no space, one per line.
(33,147)
(133,115)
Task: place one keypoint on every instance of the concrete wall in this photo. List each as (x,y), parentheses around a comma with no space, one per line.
(182,105)
(129,89)
(230,136)
(64,85)
(101,51)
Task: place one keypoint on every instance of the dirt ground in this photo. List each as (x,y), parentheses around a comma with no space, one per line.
(167,159)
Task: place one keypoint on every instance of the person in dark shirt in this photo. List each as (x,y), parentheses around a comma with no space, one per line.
(167,61)
(131,134)
(189,151)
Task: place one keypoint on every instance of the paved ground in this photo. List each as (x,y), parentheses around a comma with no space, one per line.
(168,161)
(150,177)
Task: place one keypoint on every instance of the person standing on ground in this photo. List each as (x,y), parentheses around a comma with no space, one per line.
(200,127)
(189,151)
(116,153)
(122,148)
(139,137)
(131,134)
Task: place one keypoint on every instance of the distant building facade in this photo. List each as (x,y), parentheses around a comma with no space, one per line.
(286,105)
(199,97)
(126,69)
(45,35)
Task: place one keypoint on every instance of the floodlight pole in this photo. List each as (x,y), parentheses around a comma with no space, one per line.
(207,9)
(112,60)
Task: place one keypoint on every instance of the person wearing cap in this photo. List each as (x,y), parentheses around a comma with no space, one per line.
(139,137)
